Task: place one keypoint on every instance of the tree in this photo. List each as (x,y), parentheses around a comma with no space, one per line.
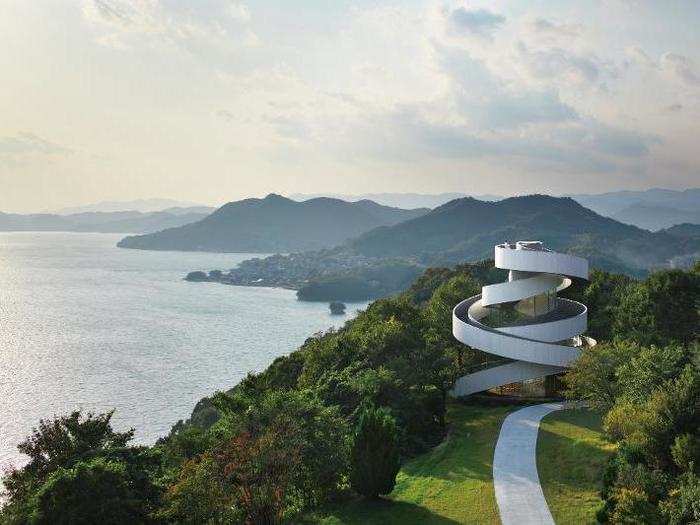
(374,459)
(75,457)
(653,424)
(651,396)
(60,443)
(602,296)
(593,377)
(644,369)
(259,469)
(98,491)
(303,423)
(660,310)
(199,496)
(438,318)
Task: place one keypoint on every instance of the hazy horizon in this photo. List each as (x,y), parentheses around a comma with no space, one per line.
(219,100)
(149,204)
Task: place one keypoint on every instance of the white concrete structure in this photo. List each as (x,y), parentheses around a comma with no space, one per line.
(523,319)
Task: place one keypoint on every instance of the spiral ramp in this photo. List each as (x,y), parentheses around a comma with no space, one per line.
(523,320)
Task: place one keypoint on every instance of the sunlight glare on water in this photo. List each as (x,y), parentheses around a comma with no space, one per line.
(84,324)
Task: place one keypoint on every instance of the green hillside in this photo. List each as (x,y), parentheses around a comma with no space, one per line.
(274,224)
(467,229)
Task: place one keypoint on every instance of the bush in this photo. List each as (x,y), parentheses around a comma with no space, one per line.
(199,496)
(684,504)
(95,492)
(632,507)
(77,457)
(686,452)
(375,454)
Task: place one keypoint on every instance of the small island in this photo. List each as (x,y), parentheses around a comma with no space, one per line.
(337,308)
(197,276)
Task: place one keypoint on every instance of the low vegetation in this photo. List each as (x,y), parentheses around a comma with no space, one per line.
(571,453)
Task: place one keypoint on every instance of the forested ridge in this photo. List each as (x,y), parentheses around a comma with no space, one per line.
(386,259)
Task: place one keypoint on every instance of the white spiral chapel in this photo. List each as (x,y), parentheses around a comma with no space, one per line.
(533,332)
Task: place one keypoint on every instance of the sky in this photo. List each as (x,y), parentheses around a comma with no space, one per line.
(216,100)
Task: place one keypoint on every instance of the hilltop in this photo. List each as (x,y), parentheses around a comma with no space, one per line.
(467,229)
(651,209)
(274,224)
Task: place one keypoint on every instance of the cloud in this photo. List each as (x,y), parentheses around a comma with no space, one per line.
(548,29)
(239,12)
(562,64)
(546,51)
(616,141)
(200,27)
(25,143)
(638,56)
(483,110)
(517,106)
(225,114)
(478,22)
(681,67)
(409,135)
(674,65)
(488,101)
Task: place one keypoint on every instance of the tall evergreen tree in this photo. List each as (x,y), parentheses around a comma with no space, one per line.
(375,453)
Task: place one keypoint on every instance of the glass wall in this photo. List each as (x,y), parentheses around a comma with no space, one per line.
(509,314)
(539,304)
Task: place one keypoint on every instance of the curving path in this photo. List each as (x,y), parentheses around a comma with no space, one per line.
(518,492)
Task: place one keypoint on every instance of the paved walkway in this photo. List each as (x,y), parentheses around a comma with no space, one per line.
(518,491)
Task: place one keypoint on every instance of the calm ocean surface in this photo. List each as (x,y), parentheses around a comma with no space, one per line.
(84,324)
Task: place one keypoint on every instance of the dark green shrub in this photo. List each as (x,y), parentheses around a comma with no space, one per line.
(684,504)
(375,453)
(94,492)
(602,515)
(632,507)
(686,452)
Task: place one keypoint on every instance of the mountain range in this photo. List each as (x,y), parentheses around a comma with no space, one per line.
(464,229)
(613,202)
(651,209)
(275,224)
(397,200)
(142,205)
(654,218)
(467,229)
(103,222)
(384,259)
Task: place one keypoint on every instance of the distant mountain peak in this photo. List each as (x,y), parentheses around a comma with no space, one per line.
(274,224)
(277,197)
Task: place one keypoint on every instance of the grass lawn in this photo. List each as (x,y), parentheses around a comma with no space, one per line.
(450,484)
(571,452)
